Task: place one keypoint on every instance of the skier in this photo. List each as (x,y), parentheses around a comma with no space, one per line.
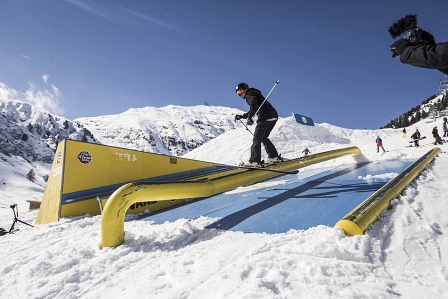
(435,134)
(404,132)
(379,144)
(267,118)
(306,151)
(445,127)
(416,138)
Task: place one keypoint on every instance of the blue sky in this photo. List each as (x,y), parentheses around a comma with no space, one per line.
(92,58)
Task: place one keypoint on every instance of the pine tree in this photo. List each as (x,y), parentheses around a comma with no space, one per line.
(418,116)
(31,175)
(405,122)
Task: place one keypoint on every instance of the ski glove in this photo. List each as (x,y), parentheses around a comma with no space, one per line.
(238,116)
(250,122)
(399,46)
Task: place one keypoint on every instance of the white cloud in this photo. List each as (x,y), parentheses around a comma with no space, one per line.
(46,77)
(7,93)
(154,20)
(48,99)
(89,8)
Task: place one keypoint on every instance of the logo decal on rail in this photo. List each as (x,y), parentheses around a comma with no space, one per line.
(126,156)
(84,157)
(59,157)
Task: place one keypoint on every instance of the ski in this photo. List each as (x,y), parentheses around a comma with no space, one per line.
(260,168)
(421,138)
(268,169)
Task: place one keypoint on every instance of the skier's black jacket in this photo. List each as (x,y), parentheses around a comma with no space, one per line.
(254,99)
(435,133)
(425,55)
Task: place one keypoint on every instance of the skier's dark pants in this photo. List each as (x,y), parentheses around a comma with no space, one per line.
(445,134)
(261,134)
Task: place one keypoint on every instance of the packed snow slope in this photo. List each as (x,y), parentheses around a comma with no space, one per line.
(403,255)
(291,138)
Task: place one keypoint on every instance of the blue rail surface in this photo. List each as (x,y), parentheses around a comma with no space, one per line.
(300,201)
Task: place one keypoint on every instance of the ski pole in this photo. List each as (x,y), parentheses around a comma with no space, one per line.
(266,98)
(246,127)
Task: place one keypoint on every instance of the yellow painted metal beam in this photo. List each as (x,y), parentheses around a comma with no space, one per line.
(359,219)
(112,221)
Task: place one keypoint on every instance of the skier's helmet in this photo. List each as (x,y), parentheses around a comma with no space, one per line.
(444,119)
(240,88)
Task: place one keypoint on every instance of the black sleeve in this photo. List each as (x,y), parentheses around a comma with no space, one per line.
(430,56)
(251,100)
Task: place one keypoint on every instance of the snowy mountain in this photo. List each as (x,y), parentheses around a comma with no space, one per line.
(170,130)
(28,140)
(33,133)
(433,107)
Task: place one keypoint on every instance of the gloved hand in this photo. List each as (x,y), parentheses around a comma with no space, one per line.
(238,117)
(428,37)
(250,122)
(399,46)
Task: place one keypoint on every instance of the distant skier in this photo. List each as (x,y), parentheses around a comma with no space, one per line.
(445,127)
(267,118)
(437,138)
(416,138)
(306,152)
(379,144)
(404,132)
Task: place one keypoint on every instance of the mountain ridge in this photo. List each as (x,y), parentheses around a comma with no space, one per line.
(169,130)
(34,133)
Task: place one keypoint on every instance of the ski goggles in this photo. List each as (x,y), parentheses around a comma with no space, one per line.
(240,92)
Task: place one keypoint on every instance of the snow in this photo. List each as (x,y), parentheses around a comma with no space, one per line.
(170,130)
(402,255)
(15,188)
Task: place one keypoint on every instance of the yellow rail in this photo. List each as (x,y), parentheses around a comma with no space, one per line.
(359,219)
(112,221)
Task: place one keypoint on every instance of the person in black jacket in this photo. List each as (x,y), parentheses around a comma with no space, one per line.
(267,118)
(445,127)
(437,138)
(423,52)
(416,137)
